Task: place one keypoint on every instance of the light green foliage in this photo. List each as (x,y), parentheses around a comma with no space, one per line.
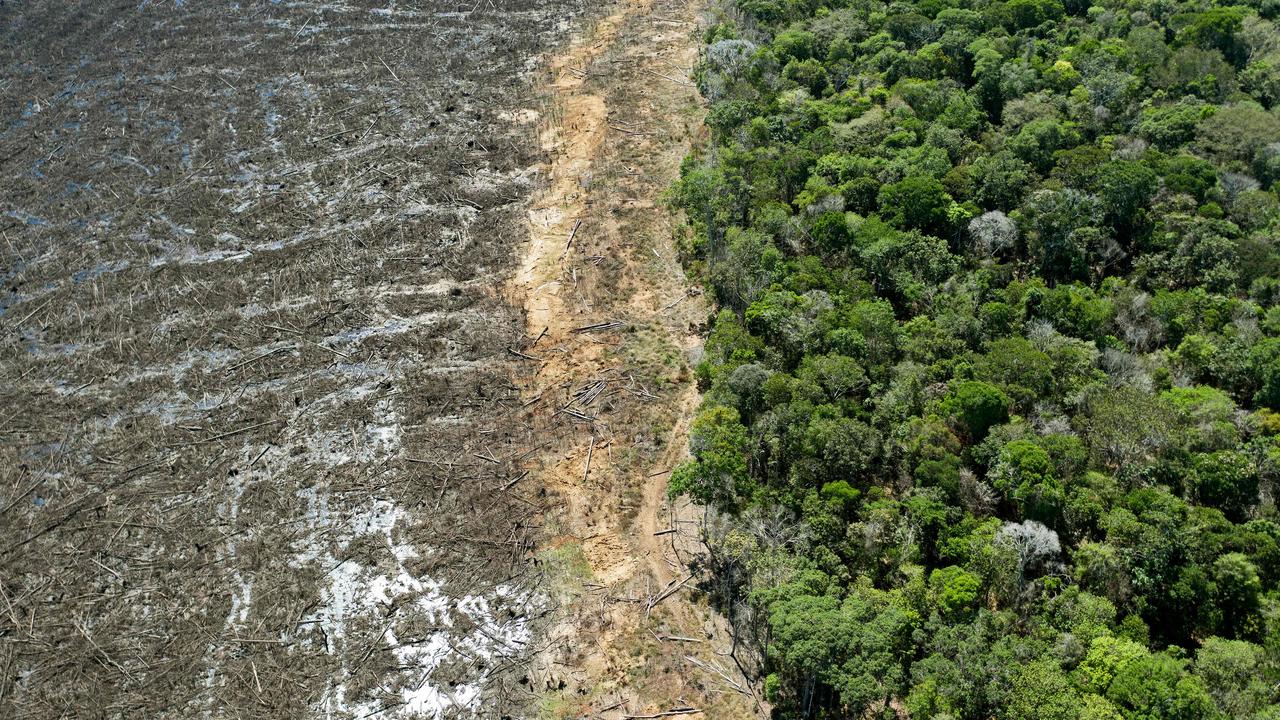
(1096,707)
(1106,658)
(954,590)
(1237,675)
(1041,690)
(1238,595)
(717,475)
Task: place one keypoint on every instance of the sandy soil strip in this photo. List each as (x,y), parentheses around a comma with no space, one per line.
(633,637)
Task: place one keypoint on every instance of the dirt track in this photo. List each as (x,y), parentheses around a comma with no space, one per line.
(615,322)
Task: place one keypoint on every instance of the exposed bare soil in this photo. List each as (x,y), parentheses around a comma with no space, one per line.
(308,406)
(613,323)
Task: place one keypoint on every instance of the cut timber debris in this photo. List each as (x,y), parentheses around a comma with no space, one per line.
(670,590)
(519,354)
(575,414)
(588,394)
(572,235)
(668,713)
(599,327)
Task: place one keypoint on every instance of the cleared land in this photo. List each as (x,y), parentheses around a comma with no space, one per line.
(614,324)
(258,449)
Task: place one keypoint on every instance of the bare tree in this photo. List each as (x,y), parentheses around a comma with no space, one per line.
(726,61)
(1036,545)
(976,496)
(992,233)
(1142,330)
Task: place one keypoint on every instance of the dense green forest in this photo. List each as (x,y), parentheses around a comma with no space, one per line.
(992,397)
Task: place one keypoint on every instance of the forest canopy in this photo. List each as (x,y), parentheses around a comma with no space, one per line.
(991,424)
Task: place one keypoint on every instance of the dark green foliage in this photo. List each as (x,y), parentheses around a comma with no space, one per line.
(918,202)
(976,407)
(992,402)
(1157,687)
(718,474)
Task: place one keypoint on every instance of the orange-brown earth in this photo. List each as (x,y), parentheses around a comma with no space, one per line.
(612,323)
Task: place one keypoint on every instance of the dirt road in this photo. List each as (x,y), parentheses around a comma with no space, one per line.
(612,323)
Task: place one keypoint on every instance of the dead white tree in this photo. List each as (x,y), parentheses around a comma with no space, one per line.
(1033,542)
(992,233)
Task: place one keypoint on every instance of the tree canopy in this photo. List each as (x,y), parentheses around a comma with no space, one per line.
(991,422)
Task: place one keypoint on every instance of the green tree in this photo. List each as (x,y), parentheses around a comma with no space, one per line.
(1054,223)
(954,590)
(908,267)
(1023,372)
(1236,674)
(836,448)
(976,407)
(1237,132)
(1106,658)
(1025,14)
(1238,595)
(717,474)
(834,654)
(749,265)
(1171,126)
(1101,568)
(1038,140)
(1227,480)
(1000,346)
(1024,474)
(1217,28)
(1125,428)
(919,202)
(1042,690)
(1126,189)
(795,44)
(1003,179)
(1078,311)
(1157,687)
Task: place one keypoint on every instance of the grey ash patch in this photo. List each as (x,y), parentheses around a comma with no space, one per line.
(253,368)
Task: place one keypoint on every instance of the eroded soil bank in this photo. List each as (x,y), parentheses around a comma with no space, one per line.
(612,325)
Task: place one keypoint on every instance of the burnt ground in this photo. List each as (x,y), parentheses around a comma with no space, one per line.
(257,447)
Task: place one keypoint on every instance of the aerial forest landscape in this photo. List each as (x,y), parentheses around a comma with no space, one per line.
(564,359)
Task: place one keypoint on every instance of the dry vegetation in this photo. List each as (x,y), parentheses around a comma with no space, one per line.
(257,449)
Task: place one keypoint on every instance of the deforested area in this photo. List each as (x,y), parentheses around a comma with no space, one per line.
(257,456)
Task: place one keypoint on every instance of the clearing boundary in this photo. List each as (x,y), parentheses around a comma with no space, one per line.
(612,322)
